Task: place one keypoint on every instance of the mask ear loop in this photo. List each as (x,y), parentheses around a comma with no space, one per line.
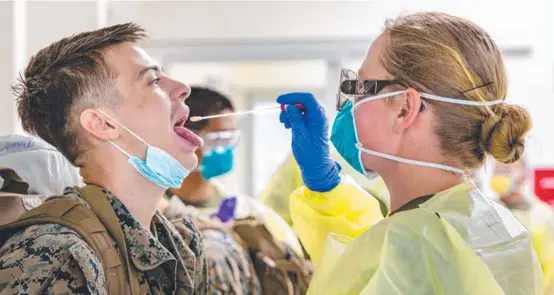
(462,101)
(413,162)
(120,149)
(375,97)
(428,96)
(123,126)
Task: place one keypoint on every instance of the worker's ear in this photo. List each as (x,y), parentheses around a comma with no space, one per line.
(410,105)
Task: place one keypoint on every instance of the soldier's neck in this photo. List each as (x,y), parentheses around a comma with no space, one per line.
(139,195)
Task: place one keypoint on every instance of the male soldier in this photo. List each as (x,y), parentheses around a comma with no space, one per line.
(102,101)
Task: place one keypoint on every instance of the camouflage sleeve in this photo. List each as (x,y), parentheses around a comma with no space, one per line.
(230,270)
(49,259)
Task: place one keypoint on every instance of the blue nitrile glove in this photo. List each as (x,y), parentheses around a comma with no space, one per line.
(310,141)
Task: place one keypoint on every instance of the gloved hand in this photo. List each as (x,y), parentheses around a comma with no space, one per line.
(310,141)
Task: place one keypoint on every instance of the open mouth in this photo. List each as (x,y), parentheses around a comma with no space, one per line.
(191,139)
(180,122)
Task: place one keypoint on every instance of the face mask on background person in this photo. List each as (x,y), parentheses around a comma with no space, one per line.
(218,161)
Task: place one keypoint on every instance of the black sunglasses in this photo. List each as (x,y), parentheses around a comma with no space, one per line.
(365,87)
(349,89)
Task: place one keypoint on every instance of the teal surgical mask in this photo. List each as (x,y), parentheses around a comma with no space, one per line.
(159,167)
(218,161)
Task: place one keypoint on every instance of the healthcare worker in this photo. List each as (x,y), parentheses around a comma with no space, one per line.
(288,178)
(200,193)
(426,107)
(512,184)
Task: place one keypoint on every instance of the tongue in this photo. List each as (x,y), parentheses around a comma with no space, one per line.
(188,135)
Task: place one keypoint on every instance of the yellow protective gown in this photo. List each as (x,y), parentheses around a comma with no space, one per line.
(457,242)
(287,179)
(539,219)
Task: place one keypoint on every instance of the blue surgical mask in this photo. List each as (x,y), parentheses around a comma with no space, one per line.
(344,135)
(217,162)
(159,167)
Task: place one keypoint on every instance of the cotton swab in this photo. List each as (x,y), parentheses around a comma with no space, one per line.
(254,111)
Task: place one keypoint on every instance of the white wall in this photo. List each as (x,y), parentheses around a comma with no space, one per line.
(261,74)
(508,21)
(7,69)
(49,21)
(39,24)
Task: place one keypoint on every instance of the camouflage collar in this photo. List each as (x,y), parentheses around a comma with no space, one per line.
(144,249)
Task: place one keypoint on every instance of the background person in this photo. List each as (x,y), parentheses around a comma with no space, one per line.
(512,183)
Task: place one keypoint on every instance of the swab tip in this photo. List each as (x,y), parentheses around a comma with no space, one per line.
(195,119)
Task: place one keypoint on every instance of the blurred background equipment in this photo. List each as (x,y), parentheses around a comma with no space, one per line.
(544,184)
(513,184)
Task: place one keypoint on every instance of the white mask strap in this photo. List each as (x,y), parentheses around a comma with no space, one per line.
(428,96)
(122,126)
(461,101)
(433,97)
(120,149)
(375,97)
(408,161)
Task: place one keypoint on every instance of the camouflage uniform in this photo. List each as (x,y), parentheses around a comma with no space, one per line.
(51,259)
(230,270)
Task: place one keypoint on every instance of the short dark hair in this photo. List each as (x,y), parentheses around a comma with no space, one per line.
(65,78)
(204,101)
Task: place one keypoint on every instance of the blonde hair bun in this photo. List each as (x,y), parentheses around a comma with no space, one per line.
(503,133)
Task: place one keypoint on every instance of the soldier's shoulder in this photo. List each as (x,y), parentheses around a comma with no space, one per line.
(50,253)
(63,236)
(52,237)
